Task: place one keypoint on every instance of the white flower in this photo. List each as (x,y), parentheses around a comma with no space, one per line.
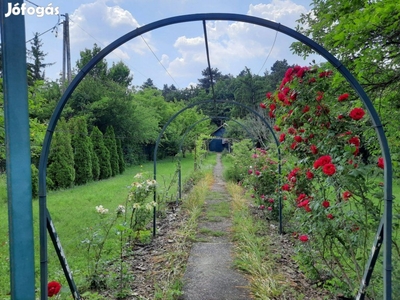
(136,205)
(149,206)
(137,185)
(101,210)
(138,175)
(120,209)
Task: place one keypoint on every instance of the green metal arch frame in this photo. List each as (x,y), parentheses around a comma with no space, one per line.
(184,136)
(385,229)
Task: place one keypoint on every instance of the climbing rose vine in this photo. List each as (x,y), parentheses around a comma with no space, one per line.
(331,182)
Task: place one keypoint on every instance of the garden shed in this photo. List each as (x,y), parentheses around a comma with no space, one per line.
(218,143)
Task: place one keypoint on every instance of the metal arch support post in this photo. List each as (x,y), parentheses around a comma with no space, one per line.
(18,155)
(208,102)
(184,136)
(388,197)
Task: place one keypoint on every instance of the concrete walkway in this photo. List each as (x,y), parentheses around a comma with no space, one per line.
(210,274)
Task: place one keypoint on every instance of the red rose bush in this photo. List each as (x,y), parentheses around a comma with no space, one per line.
(329,180)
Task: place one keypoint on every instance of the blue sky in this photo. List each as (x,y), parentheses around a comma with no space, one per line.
(180,48)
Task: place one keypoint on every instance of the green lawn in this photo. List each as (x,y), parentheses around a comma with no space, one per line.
(73,213)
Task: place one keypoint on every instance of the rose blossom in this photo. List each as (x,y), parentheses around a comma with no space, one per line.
(381,163)
(326,204)
(329,169)
(298,138)
(314,149)
(303,238)
(323,160)
(53,288)
(357,113)
(343,97)
(346,195)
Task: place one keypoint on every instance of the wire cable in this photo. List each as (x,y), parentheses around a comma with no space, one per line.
(100,42)
(270,51)
(159,60)
(208,60)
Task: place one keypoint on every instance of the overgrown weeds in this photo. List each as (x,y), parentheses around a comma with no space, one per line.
(171,287)
(252,255)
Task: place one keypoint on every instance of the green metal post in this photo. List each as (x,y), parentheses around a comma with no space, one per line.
(18,156)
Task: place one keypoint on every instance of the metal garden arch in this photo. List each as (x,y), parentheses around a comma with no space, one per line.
(214,102)
(385,229)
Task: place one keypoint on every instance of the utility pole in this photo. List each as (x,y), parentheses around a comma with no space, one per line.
(66,52)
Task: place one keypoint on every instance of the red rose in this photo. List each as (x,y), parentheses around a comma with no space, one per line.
(306,109)
(354,141)
(303,203)
(320,95)
(282,137)
(326,204)
(285,187)
(53,288)
(329,169)
(357,113)
(343,97)
(314,149)
(250,172)
(293,145)
(322,161)
(269,95)
(271,114)
(292,131)
(258,173)
(310,175)
(303,238)
(330,216)
(262,105)
(298,139)
(381,163)
(346,195)
(301,197)
(277,128)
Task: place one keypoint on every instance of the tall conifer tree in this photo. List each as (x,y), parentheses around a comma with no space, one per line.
(102,153)
(111,144)
(61,159)
(121,160)
(82,156)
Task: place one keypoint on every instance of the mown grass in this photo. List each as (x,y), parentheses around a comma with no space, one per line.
(74,214)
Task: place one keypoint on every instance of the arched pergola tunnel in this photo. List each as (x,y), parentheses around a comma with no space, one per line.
(188,131)
(263,120)
(13,38)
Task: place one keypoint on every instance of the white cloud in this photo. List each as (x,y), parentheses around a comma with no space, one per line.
(99,23)
(233,44)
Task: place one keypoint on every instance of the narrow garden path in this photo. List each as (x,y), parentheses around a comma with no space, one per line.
(210,274)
